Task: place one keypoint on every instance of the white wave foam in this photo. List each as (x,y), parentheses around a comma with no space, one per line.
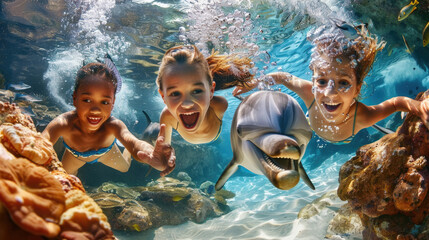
(60,76)
(89,41)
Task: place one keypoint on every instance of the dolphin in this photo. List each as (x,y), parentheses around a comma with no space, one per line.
(269,134)
(150,134)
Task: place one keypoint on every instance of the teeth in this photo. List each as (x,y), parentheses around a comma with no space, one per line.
(271,163)
(188,113)
(332,104)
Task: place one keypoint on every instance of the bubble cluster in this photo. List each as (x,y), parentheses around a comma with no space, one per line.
(331,43)
(211,26)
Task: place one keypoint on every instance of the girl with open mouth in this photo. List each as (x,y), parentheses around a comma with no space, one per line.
(187,81)
(90,134)
(340,64)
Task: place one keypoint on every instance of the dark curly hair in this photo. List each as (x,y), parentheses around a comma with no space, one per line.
(95,69)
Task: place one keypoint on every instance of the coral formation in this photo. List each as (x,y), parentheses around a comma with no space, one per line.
(166,201)
(386,183)
(33,198)
(38,199)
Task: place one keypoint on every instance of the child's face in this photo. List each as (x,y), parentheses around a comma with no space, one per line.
(94,101)
(335,88)
(187,97)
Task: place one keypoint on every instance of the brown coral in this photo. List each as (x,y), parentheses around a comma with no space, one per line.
(68,181)
(22,141)
(32,196)
(83,217)
(10,113)
(389,180)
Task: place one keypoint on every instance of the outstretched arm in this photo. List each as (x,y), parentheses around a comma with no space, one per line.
(373,114)
(55,128)
(160,157)
(300,86)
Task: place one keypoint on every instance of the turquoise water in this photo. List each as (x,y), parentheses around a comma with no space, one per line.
(136,33)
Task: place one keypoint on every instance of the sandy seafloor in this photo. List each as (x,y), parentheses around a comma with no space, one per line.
(260,211)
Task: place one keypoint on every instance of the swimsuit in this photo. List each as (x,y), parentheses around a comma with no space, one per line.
(345,141)
(218,133)
(89,153)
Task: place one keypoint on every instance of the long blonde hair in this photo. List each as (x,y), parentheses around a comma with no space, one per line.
(226,70)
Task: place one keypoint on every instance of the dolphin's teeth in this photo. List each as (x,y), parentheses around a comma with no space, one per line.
(271,163)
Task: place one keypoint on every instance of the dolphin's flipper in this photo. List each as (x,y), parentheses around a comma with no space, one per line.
(226,174)
(382,129)
(304,176)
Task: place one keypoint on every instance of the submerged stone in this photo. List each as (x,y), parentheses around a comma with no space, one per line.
(386,182)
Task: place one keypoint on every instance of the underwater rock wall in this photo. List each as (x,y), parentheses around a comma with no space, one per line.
(38,199)
(387,182)
(383,15)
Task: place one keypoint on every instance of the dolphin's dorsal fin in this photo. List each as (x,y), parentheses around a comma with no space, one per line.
(226,174)
(304,176)
(147,117)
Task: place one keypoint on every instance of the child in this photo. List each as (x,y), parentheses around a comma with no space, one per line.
(90,133)
(339,66)
(187,81)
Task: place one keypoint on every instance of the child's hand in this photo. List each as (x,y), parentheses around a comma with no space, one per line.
(424,112)
(162,158)
(240,90)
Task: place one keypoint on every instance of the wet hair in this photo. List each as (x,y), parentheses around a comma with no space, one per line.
(95,69)
(226,70)
(360,51)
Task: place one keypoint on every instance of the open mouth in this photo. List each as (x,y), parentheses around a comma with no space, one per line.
(94,120)
(278,164)
(282,172)
(331,107)
(189,120)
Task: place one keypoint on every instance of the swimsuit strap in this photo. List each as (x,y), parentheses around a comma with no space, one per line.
(311,105)
(354,120)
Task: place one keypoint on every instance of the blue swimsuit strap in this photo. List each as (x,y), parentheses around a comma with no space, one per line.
(89,153)
(347,140)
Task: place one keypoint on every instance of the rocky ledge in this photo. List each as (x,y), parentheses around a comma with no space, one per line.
(386,183)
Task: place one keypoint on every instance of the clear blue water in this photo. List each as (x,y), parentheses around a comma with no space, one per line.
(136,33)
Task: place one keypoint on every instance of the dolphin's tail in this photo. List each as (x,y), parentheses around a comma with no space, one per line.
(304,176)
(147,117)
(226,174)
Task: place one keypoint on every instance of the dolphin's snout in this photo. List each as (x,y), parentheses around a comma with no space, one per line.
(286,180)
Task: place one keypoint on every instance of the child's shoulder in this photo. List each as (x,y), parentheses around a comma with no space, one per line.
(167,118)
(219,104)
(66,118)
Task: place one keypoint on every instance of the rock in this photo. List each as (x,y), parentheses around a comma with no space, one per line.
(183,176)
(386,182)
(222,195)
(317,205)
(133,217)
(166,201)
(383,15)
(345,221)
